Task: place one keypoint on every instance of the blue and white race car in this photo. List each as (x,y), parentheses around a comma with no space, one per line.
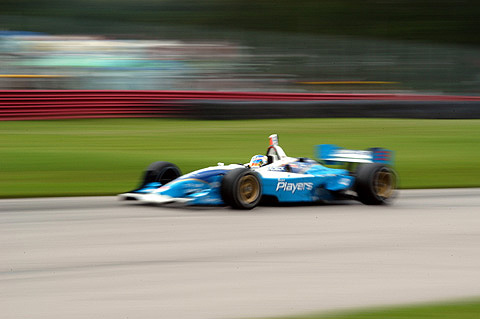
(275,177)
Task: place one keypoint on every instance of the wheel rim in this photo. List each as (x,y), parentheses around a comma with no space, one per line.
(249,189)
(384,183)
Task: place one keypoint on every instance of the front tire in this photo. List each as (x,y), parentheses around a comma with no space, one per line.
(375,184)
(160,172)
(241,188)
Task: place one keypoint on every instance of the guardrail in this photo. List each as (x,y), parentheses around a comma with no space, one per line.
(71,104)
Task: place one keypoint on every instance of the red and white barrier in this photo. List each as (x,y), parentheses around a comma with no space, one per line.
(71,104)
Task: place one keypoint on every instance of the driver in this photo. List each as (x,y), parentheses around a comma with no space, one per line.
(258,161)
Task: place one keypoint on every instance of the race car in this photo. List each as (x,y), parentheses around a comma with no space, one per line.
(367,176)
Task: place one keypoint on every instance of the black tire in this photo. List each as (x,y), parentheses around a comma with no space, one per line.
(160,172)
(241,188)
(375,184)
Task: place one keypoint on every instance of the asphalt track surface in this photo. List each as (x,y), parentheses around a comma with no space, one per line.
(97,257)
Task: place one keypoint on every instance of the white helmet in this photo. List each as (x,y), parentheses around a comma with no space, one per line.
(258,161)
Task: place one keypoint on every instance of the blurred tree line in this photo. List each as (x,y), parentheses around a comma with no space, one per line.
(431,21)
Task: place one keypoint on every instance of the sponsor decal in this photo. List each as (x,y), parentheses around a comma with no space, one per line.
(284,186)
(352,153)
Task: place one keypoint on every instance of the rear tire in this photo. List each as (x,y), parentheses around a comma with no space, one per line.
(375,184)
(241,188)
(160,172)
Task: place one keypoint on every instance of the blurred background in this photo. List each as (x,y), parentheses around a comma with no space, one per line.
(238,45)
(247,52)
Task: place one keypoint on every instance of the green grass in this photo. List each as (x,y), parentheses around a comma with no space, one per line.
(452,310)
(86,157)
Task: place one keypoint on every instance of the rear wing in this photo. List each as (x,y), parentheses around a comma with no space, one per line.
(335,155)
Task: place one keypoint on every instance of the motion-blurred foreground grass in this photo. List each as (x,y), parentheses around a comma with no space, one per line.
(453,310)
(90,157)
